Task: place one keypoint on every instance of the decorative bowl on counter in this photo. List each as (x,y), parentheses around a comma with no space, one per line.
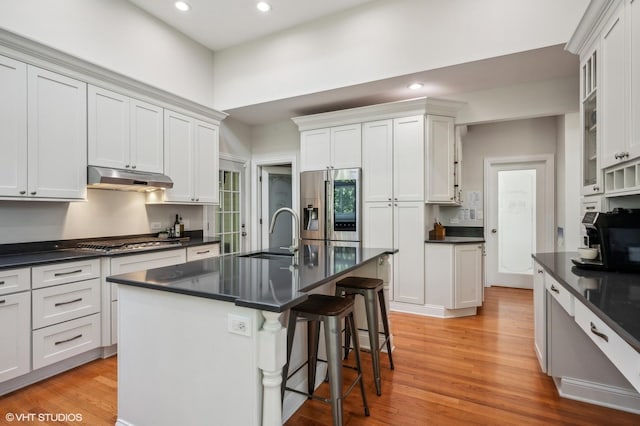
(588,253)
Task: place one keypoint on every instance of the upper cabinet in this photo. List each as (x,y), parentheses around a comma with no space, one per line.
(608,42)
(591,173)
(442,156)
(331,148)
(191,159)
(43,134)
(124,133)
(408,158)
(613,91)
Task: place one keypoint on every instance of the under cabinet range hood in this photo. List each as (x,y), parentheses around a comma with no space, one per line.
(126,180)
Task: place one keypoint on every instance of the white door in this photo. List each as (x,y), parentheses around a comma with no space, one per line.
(408,158)
(108,121)
(378,225)
(377,161)
(205,150)
(230,213)
(276,193)
(178,155)
(520,217)
(147,138)
(408,264)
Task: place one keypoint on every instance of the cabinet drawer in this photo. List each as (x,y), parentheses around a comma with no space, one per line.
(61,341)
(561,294)
(140,262)
(15,280)
(203,252)
(52,305)
(66,272)
(623,356)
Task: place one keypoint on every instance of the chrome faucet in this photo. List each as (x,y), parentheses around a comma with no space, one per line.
(295,239)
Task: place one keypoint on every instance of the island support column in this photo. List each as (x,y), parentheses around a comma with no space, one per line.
(273,354)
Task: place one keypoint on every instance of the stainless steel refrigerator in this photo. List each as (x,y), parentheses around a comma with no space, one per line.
(330,202)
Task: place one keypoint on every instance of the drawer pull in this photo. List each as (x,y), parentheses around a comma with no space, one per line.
(2,302)
(79,299)
(61,274)
(203,252)
(1,282)
(554,289)
(601,335)
(68,340)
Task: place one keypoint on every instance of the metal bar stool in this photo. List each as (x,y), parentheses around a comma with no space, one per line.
(369,288)
(330,311)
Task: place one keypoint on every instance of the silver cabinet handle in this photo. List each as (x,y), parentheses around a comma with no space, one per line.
(79,299)
(596,188)
(61,274)
(2,302)
(600,334)
(540,271)
(494,230)
(68,340)
(1,282)
(33,193)
(133,167)
(127,166)
(23,192)
(554,289)
(203,252)
(590,207)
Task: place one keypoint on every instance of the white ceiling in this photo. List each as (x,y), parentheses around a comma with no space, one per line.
(219,24)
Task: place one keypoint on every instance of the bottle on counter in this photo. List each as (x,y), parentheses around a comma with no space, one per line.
(176,228)
(181,227)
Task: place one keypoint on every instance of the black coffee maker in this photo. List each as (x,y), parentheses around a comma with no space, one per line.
(616,236)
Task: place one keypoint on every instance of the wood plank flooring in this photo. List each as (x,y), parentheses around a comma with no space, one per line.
(474,370)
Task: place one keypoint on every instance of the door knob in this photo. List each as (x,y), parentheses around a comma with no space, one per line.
(494,230)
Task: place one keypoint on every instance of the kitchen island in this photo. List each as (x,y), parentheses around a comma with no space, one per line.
(202,342)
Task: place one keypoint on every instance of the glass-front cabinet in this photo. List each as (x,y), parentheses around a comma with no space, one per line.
(591,173)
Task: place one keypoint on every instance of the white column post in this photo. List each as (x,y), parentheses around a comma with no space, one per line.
(272,357)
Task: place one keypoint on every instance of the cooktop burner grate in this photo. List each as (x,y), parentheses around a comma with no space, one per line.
(128,244)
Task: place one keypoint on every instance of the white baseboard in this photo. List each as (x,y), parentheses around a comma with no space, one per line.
(432,310)
(598,394)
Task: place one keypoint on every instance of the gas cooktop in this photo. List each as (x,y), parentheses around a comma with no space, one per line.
(129,244)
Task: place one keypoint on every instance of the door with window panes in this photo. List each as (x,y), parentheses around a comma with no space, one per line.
(230,224)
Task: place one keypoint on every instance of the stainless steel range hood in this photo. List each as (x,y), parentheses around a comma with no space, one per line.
(126,180)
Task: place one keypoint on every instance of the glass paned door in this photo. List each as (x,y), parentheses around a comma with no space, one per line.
(229,224)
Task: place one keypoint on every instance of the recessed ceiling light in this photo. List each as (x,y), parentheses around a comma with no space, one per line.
(263,6)
(415,86)
(182,6)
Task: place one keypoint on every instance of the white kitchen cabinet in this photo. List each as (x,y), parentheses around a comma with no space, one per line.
(64,272)
(590,165)
(335,147)
(540,316)
(15,335)
(408,238)
(203,252)
(15,280)
(441,161)
(191,159)
(123,265)
(612,91)
(50,110)
(378,225)
(454,276)
(377,161)
(124,133)
(13,127)
(633,19)
(60,303)
(408,159)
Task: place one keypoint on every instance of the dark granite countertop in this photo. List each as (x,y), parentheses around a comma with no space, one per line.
(267,284)
(614,297)
(457,240)
(30,254)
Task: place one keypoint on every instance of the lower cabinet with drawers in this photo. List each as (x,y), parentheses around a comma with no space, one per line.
(15,323)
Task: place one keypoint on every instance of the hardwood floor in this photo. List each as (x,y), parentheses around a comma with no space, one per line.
(475,370)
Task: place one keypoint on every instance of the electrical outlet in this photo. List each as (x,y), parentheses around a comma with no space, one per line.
(239,325)
(156,226)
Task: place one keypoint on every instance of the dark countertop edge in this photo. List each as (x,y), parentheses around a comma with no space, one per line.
(461,240)
(632,341)
(77,254)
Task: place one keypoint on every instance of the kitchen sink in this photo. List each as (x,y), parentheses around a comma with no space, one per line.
(267,255)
